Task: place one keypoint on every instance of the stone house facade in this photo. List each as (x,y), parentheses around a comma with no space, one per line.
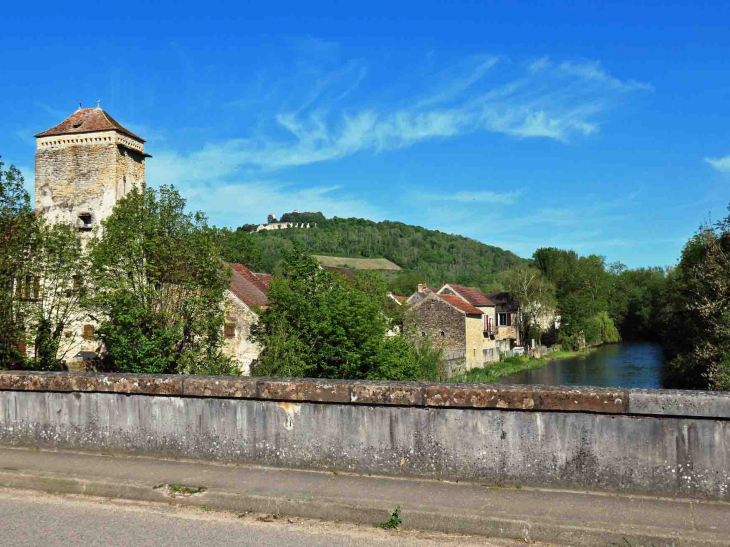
(245,297)
(451,324)
(474,297)
(508,317)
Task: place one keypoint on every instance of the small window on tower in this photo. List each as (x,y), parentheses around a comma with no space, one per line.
(85,222)
(88,332)
(230,330)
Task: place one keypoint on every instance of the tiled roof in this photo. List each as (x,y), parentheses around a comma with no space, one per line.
(249,288)
(265,278)
(400,298)
(474,296)
(87,120)
(460,304)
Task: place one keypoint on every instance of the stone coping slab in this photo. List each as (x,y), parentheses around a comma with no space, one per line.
(703,404)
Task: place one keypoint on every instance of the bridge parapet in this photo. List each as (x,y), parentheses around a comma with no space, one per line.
(656,442)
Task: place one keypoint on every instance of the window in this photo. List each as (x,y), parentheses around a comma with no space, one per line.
(29,288)
(488,323)
(230,330)
(423,333)
(504,319)
(85,222)
(443,334)
(88,332)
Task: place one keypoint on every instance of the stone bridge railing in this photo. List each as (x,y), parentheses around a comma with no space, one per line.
(656,442)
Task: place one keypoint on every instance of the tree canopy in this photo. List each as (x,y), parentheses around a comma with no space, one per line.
(157,286)
(318,324)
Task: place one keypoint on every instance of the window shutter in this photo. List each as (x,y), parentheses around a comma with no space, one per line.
(36,287)
(509,319)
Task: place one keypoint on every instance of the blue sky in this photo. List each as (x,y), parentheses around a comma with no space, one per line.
(596,126)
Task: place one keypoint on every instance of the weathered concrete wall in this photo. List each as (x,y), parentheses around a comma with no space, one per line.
(645,442)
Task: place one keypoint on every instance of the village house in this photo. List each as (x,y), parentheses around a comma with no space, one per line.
(400,300)
(84,165)
(245,297)
(421,293)
(450,323)
(476,298)
(508,316)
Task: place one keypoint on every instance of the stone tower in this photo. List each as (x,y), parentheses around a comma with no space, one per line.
(84,165)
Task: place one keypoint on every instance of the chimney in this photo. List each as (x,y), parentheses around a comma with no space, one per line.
(421,286)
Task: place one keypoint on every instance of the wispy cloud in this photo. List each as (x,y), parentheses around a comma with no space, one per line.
(721,164)
(594,71)
(316,113)
(555,102)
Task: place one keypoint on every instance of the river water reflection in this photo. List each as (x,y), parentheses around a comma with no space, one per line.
(628,364)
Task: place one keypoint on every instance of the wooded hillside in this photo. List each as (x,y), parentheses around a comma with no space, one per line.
(434,255)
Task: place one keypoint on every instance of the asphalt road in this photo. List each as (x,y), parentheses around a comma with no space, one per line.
(40,519)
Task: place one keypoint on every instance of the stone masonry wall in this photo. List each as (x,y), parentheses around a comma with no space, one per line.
(435,316)
(85,173)
(655,442)
(239,347)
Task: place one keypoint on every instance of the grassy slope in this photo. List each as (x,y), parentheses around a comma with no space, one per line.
(358,263)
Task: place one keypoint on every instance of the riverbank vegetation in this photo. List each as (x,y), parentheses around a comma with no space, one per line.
(512,365)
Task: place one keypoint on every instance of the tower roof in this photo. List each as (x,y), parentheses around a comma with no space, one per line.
(87,120)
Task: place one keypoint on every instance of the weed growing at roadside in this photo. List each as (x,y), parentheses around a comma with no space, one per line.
(394,521)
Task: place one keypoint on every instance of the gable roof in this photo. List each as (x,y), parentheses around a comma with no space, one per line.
(87,120)
(399,298)
(474,296)
(247,287)
(419,296)
(459,304)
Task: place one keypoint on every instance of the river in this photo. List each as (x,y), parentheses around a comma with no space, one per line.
(627,364)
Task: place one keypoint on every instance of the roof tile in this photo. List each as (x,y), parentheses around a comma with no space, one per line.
(249,288)
(460,304)
(87,120)
(474,296)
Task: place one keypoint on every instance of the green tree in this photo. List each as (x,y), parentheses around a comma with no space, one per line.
(320,325)
(536,297)
(17,225)
(698,333)
(157,286)
(239,246)
(59,267)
